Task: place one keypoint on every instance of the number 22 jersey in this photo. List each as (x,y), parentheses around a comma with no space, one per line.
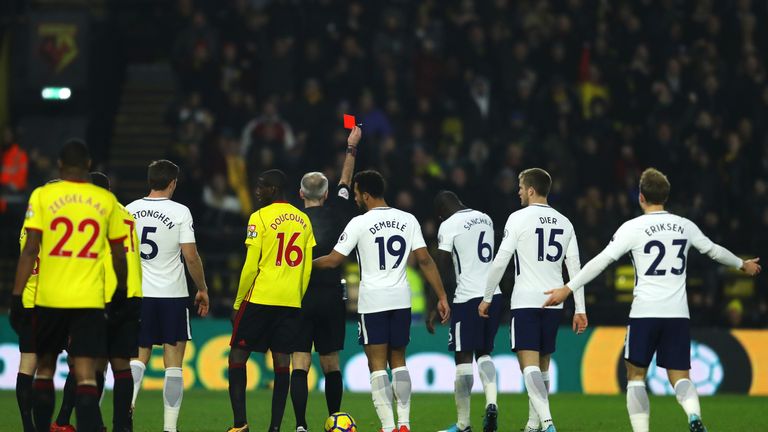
(383,238)
(162,226)
(77,221)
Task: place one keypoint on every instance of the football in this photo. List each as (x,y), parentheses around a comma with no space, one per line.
(340,422)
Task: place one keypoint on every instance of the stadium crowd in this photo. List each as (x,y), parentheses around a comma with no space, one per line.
(463,95)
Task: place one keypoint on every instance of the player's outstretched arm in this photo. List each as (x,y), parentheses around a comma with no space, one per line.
(195,267)
(349,161)
(751,267)
(27,260)
(590,271)
(332,260)
(429,269)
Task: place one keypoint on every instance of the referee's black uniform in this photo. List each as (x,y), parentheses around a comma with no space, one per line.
(323,310)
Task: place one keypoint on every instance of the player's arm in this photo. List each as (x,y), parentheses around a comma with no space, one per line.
(248,274)
(349,161)
(573,265)
(195,267)
(120,265)
(27,260)
(444,264)
(308,249)
(620,244)
(499,265)
(332,260)
(722,255)
(429,270)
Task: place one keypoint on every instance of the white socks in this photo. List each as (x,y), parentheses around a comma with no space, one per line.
(487,371)
(688,397)
(463,391)
(173,392)
(381,391)
(401,388)
(537,394)
(137,371)
(533,419)
(638,406)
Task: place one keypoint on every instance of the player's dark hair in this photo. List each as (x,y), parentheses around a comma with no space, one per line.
(654,186)
(538,179)
(273,178)
(100,179)
(161,173)
(74,154)
(447,203)
(370,182)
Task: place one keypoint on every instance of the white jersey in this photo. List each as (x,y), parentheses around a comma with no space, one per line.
(383,238)
(162,226)
(540,238)
(468,236)
(658,245)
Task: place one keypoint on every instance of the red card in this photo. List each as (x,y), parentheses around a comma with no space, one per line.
(349,121)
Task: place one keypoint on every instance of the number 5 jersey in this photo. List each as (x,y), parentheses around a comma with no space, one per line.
(162,226)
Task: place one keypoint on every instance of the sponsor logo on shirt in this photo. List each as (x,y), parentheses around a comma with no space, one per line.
(251,233)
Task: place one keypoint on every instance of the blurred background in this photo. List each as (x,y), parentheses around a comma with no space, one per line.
(456,94)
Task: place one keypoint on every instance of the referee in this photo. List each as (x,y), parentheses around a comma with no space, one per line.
(323,309)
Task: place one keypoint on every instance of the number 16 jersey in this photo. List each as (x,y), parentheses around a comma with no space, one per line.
(162,226)
(383,238)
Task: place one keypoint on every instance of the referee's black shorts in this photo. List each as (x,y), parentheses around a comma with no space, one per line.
(83,332)
(261,327)
(322,323)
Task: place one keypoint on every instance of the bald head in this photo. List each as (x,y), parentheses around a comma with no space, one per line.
(447,203)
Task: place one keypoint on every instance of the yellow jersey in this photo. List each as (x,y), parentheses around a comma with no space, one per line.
(132,256)
(28,295)
(276,272)
(77,221)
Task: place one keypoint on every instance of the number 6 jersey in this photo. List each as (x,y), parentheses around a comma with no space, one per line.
(383,238)
(162,226)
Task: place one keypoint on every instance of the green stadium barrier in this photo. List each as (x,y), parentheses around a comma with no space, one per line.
(722,362)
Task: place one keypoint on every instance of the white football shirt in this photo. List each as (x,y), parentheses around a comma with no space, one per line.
(383,238)
(468,236)
(162,226)
(540,238)
(658,245)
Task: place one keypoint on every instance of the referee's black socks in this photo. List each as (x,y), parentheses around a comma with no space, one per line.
(44,400)
(24,398)
(299,395)
(334,388)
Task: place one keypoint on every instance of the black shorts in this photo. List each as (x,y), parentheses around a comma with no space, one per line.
(123,336)
(669,338)
(260,328)
(534,329)
(164,321)
(27,331)
(83,332)
(322,323)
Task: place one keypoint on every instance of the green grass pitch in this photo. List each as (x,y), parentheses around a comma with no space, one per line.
(209,411)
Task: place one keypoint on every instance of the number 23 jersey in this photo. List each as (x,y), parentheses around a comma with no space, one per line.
(162,226)
(383,238)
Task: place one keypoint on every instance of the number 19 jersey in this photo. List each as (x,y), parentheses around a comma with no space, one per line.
(540,238)
(162,226)
(383,238)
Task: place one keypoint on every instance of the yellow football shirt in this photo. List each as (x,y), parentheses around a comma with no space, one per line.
(132,256)
(77,221)
(28,295)
(279,260)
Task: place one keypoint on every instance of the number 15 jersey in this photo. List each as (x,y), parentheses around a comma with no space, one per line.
(384,238)
(162,226)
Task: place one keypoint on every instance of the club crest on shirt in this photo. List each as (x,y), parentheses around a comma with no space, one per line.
(342,237)
(251,233)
